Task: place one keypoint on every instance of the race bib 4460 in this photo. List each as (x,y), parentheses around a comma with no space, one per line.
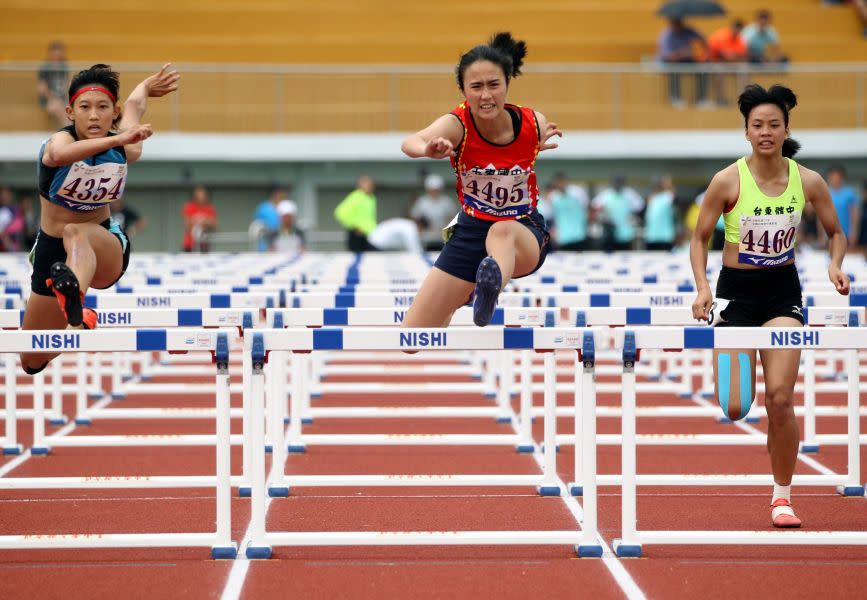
(767,240)
(497,192)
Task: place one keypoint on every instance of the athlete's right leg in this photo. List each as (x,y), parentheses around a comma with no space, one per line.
(437,300)
(735,376)
(41,312)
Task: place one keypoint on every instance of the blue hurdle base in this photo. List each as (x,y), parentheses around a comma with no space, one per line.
(685,395)
(95,396)
(126,378)
(315,395)
(490,394)
(13,450)
(526,448)
(307,420)
(653,377)
(83,421)
(851,490)
(269,448)
(627,550)
(224,552)
(504,419)
(286,420)
(589,551)
(278,491)
(576,490)
(707,395)
(296,449)
(549,490)
(809,448)
(244,492)
(473,377)
(118,395)
(145,377)
(40,450)
(60,421)
(258,552)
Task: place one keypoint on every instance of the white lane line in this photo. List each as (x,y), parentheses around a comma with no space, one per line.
(627,584)
(241,564)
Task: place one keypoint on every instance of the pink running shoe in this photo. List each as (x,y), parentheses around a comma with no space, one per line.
(782,514)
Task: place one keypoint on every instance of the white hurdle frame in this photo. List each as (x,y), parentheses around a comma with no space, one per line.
(633,340)
(180,340)
(263,342)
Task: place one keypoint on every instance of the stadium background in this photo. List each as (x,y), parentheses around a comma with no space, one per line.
(315,94)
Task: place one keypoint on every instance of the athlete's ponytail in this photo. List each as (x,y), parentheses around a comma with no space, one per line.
(781,96)
(502,50)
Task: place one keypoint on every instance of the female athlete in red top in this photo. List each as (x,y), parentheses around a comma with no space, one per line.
(493,147)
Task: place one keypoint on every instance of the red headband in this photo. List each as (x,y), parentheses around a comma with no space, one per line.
(91,89)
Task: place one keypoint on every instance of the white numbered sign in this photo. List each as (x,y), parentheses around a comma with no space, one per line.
(768,240)
(93,184)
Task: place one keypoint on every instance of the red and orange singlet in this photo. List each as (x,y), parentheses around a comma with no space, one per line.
(497,182)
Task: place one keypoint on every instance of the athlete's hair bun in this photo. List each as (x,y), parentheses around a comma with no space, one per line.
(514,49)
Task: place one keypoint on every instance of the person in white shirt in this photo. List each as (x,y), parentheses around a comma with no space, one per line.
(289,240)
(437,208)
(398,235)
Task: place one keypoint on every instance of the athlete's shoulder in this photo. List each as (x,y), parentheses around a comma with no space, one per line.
(727,176)
(811,181)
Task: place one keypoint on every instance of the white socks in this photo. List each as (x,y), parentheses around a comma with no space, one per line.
(782,491)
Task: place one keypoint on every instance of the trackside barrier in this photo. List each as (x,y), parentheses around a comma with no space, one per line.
(143,340)
(633,340)
(265,342)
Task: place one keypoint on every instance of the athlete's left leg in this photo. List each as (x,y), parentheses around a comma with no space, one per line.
(780,368)
(94,256)
(512,250)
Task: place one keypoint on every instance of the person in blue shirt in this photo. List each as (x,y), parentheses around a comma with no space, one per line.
(846,203)
(267,217)
(659,227)
(569,204)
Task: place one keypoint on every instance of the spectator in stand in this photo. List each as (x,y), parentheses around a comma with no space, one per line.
(726,46)
(290,240)
(266,219)
(659,227)
(200,220)
(357,214)
(437,209)
(846,203)
(569,204)
(7,215)
(678,45)
(127,217)
(26,221)
(51,83)
(763,42)
(618,207)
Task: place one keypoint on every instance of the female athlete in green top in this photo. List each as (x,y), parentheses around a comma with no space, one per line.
(761,198)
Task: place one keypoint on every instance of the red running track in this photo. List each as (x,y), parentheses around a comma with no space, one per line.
(423,572)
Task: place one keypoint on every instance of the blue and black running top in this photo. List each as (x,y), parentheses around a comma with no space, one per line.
(87,184)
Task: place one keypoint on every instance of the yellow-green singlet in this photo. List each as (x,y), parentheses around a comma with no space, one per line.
(765,227)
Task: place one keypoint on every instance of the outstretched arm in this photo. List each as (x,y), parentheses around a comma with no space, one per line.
(547,130)
(437,140)
(155,86)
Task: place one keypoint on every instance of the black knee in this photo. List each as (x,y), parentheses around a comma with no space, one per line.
(34,370)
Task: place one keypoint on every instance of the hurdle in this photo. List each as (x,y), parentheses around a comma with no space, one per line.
(634,340)
(142,340)
(266,342)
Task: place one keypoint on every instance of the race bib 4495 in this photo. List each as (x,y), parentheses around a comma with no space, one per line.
(497,192)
